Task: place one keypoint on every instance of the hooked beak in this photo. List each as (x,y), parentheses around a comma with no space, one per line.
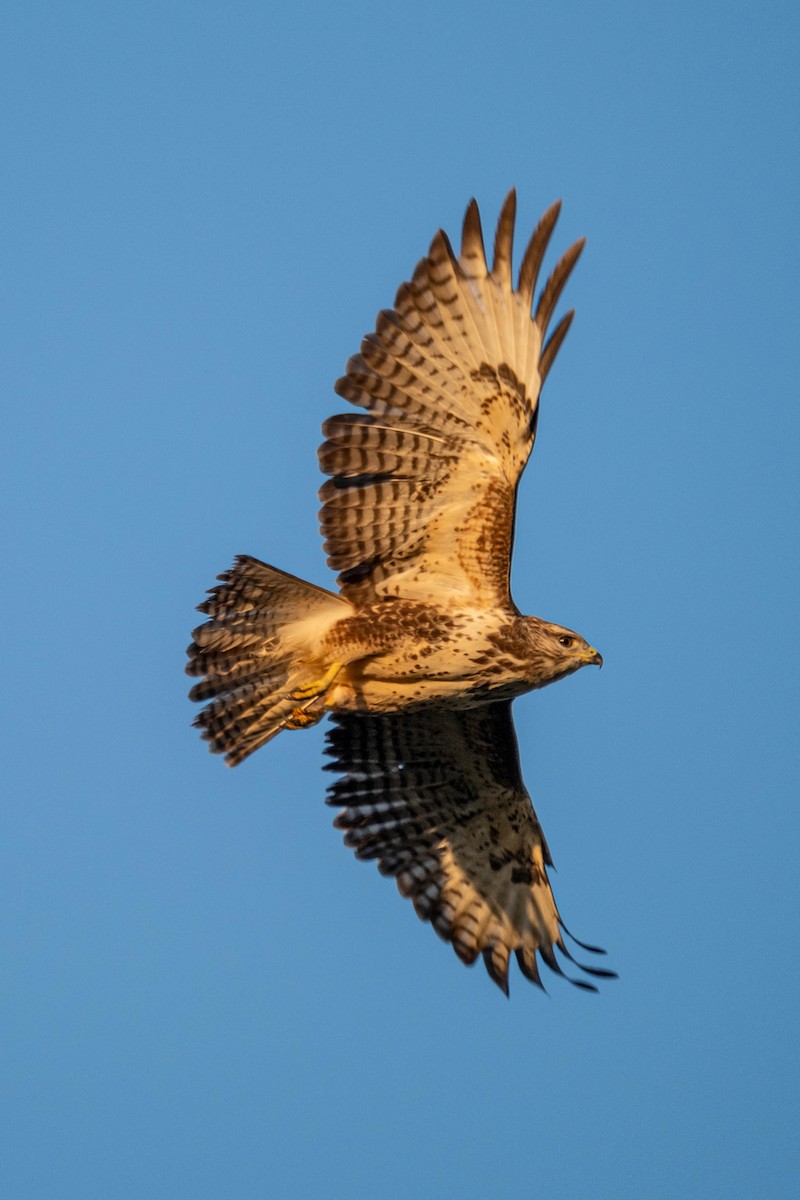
(593,657)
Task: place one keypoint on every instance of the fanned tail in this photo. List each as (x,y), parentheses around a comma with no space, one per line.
(258,656)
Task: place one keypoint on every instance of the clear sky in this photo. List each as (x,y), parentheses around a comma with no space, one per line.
(204,995)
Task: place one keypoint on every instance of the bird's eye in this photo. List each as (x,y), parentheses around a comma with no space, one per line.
(564,640)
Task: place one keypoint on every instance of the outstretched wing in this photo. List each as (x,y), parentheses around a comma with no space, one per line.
(421,499)
(435,795)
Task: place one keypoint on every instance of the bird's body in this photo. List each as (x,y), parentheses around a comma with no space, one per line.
(420,653)
(417,653)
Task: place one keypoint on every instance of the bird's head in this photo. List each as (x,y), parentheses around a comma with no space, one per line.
(557,652)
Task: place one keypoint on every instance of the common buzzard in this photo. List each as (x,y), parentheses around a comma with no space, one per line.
(420,654)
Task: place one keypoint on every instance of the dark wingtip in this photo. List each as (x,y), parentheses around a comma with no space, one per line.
(578,942)
(595,972)
(598,972)
(473,250)
(582,984)
(496,974)
(441,247)
(548,956)
(553,345)
(556,284)
(504,240)
(535,251)
(529,969)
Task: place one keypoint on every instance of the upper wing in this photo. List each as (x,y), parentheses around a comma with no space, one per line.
(435,795)
(424,483)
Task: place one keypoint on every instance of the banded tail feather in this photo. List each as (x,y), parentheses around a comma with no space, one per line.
(256,654)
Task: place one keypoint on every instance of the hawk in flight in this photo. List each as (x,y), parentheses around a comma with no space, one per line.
(420,653)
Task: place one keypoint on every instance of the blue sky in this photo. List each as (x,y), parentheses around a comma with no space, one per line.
(204,994)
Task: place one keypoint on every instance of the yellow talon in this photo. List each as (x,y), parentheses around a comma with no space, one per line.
(301,718)
(310,691)
(308,713)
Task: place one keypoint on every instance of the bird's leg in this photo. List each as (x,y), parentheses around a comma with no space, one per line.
(303,716)
(310,691)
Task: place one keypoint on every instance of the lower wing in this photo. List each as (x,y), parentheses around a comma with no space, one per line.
(436,796)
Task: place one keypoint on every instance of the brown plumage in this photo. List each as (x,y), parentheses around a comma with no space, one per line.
(420,654)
